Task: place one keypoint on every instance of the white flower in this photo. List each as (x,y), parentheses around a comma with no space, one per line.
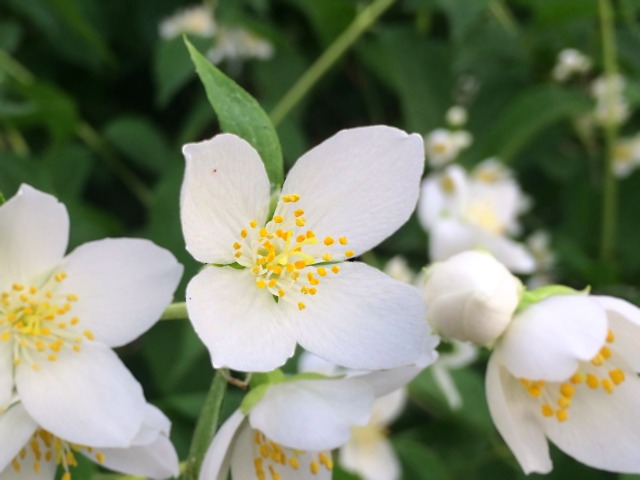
(626,157)
(611,106)
(570,62)
(456,116)
(442,146)
(60,316)
(462,212)
(234,43)
(197,20)
(283,278)
(565,370)
(471,297)
(290,431)
(29,452)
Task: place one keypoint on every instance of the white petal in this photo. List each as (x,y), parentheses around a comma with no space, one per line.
(155,423)
(362,183)
(89,397)
(384,382)
(447,386)
(16,428)
(6,372)
(35,230)
(123,286)
(448,237)
(436,203)
(27,472)
(514,417)
(371,459)
(547,339)
(241,325)
(363,319)
(308,362)
(388,407)
(603,430)
(215,465)
(225,187)
(512,254)
(312,414)
(157,460)
(624,322)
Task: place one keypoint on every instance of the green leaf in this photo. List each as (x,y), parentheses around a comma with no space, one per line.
(1,198)
(527,115)
(462,14)
(419,461)
(239,113)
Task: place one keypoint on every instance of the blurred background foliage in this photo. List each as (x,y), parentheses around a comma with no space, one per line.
(95,106)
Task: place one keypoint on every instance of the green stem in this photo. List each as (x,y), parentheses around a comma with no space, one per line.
(363,21)
(206,426)
(609,196)
(176,311)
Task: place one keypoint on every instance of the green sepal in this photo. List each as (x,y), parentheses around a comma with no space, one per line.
(529,297)
(239,113)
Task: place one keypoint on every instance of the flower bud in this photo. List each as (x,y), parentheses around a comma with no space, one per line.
(471,297)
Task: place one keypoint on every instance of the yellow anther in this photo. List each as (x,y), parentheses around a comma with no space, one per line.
(562,415)
(300,221)
(321,271)
(342,240)
(534,391)
(60,276)
(292,197)
(278,219)
(244,233)
(72,297)
(525,383)
(564,402)
(327,257)
(18,287)
(577,378)
(300,264)
(281,293)
(547,411)
(74,321)
(277,269)
(605,352)
(328,241)
(326,461)
(592,381)
(36,467)
(301,238)
(335,269)
(76,348)
(313,291)
(597,360)
(253,223)
(236,246)
(263,232)
(294,463)
(237,254)
(301,306)
(314,467)
(89,335)
(311,234)
(298,213)
(617,376)
(607,385)
(100,457)
(52,358)
(272,283)
(66,476)
(6,336)
(349,253)
(290,267)
(567,390)
(610,336)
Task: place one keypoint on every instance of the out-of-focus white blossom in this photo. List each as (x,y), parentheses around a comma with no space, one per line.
(235,43)
(197,20)
(443,146)
(611,106)
(570,62)
(463,211)
(456,116)
(626,156)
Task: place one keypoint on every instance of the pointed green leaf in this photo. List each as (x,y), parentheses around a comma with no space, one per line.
(239,113)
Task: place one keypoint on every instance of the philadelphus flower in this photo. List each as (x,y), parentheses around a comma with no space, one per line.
(611,106)
(570,62)
(235,43)
(289,433)
(277,279)
(471,297)
(463,211)
(29,452)
(626,156)
(60,316)
(197,20)
(443,146)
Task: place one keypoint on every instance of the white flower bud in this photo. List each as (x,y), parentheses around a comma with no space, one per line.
(471,297)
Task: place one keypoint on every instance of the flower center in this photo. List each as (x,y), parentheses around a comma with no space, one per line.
(599,373)
(39,321)
(285,258)
(272,458)
(483,215)
(44,446)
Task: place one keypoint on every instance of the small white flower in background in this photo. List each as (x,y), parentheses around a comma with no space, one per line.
(626,156)
(61,315)
(463,211)
(443,146)
(285,278)
(290,432)
(570,62)
(197,20)
(235,43)
(539,244)
(471,297)
(611,106)
(29,452)
(563,367)
(456,116)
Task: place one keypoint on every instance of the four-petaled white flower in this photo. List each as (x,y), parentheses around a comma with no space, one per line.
(443,146)
(566,369)
(462,212)
(570,62)
(197,20)
(60,316)
(278,279)
(32,453)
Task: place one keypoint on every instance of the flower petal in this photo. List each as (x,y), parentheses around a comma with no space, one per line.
(225,187)
(6,372)
(514,417)
(240,324)
(312,414)
(46,471)
(388,407)
(437,202)
(624,322)
(215,465)
(363,319)
(372,459)
(16,428)
(87,397)
(35,231)
(547,339)
(603,430)
(123,286)
(362,183)
(384,382)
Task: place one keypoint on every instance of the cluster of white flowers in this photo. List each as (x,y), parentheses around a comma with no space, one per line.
(462,211)
(570,62)
(63,391)
(611,105)
(229,43)
(442,145)
(626,156)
